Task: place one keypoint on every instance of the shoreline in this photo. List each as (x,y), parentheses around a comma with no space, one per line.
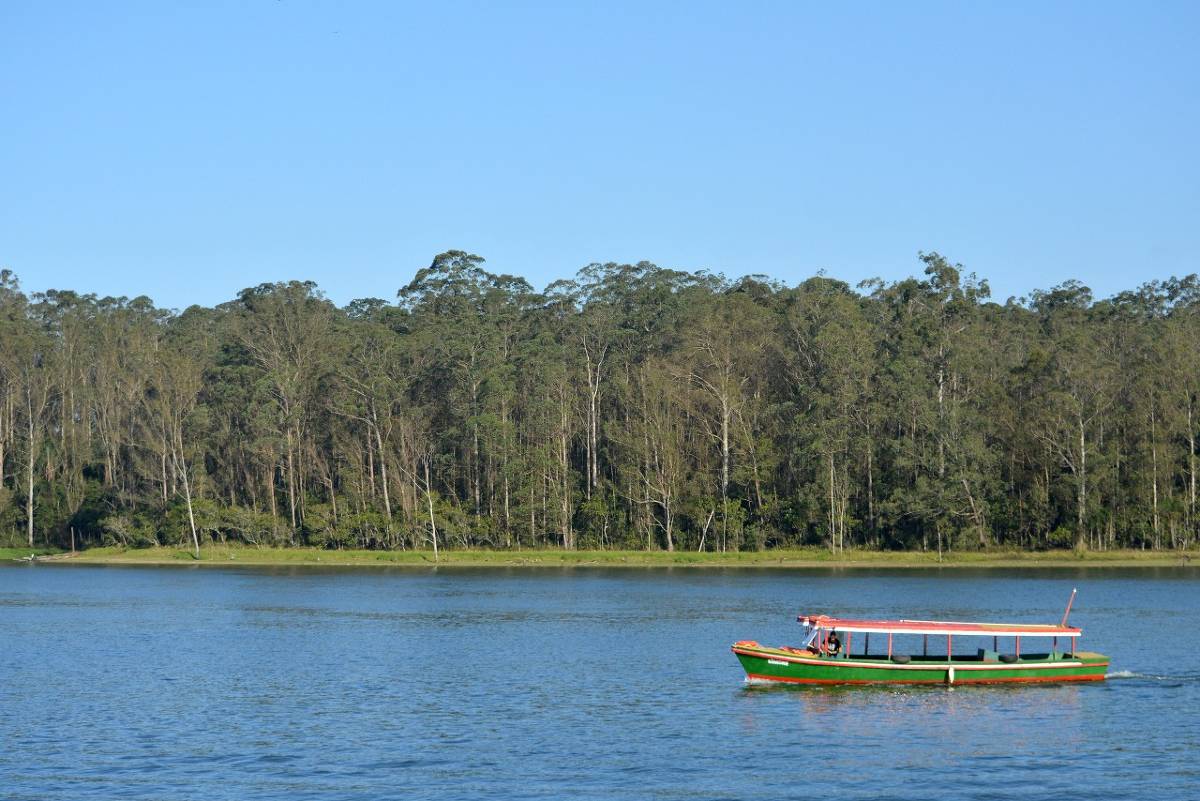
(225,556)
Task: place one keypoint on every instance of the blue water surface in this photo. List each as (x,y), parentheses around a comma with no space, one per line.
(206,683)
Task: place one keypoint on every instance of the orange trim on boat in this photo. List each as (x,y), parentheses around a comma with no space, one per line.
(1006,680)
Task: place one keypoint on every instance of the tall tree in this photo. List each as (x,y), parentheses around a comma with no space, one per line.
(284,328)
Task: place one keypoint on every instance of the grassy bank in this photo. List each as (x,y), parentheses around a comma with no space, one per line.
(240,555)
(23,553)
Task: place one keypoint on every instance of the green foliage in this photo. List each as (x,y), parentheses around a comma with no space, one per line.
(358,530)
(10,514)
(629,407)
(130,531)
(1061,537)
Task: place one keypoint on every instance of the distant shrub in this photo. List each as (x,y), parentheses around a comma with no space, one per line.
(1061,537)
(130,531)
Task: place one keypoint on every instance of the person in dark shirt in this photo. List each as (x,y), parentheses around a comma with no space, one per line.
(833,646)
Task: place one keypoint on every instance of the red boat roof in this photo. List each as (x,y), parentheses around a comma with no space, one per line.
(941,627)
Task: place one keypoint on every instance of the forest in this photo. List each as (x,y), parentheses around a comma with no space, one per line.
(631,407)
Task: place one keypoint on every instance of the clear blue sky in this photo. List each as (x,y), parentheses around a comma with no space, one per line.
(187,150)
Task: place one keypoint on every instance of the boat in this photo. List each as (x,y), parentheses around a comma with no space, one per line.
(941,658)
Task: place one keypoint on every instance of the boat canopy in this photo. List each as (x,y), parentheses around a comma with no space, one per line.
(939,627)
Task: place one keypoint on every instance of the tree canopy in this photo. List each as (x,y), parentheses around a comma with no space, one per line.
(629,407)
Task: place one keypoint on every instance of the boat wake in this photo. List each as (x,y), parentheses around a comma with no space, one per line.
(751,682)
(1130,674)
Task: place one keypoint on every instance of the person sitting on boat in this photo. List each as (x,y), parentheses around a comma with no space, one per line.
(833,646)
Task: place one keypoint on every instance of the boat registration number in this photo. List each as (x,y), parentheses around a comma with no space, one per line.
(776,662)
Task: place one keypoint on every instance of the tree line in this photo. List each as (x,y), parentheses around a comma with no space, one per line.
(629,407)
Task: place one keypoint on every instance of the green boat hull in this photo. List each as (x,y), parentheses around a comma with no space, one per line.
(792,666)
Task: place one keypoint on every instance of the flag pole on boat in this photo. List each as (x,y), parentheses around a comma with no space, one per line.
(1070,601)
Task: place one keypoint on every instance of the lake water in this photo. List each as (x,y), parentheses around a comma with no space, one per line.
(166,683)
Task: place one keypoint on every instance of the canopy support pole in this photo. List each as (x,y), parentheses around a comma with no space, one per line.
(1067,613)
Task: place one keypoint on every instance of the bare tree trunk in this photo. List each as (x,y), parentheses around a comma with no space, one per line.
(332,499)
(646,487)
(594,369)
(291,469)
(1079,534)
(724,464)
(163,465)
(29,496)
(507,520)
(833,542)
(1191,473)
(504,467)
(564,460)
(976,515)
(704,533)
(476,470)
(383,475)
(941,396)
(3,440)
(870,488)
(475,467)
(274,503)
(416,493)
(752,453)
(595,435)
(532,515)
(429,501)
(670,521)
(187,491)
(1154,481)
(371,461)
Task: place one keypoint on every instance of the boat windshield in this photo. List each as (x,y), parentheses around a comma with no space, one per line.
(810,634)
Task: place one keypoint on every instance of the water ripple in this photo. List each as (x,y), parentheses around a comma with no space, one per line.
(222,685)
